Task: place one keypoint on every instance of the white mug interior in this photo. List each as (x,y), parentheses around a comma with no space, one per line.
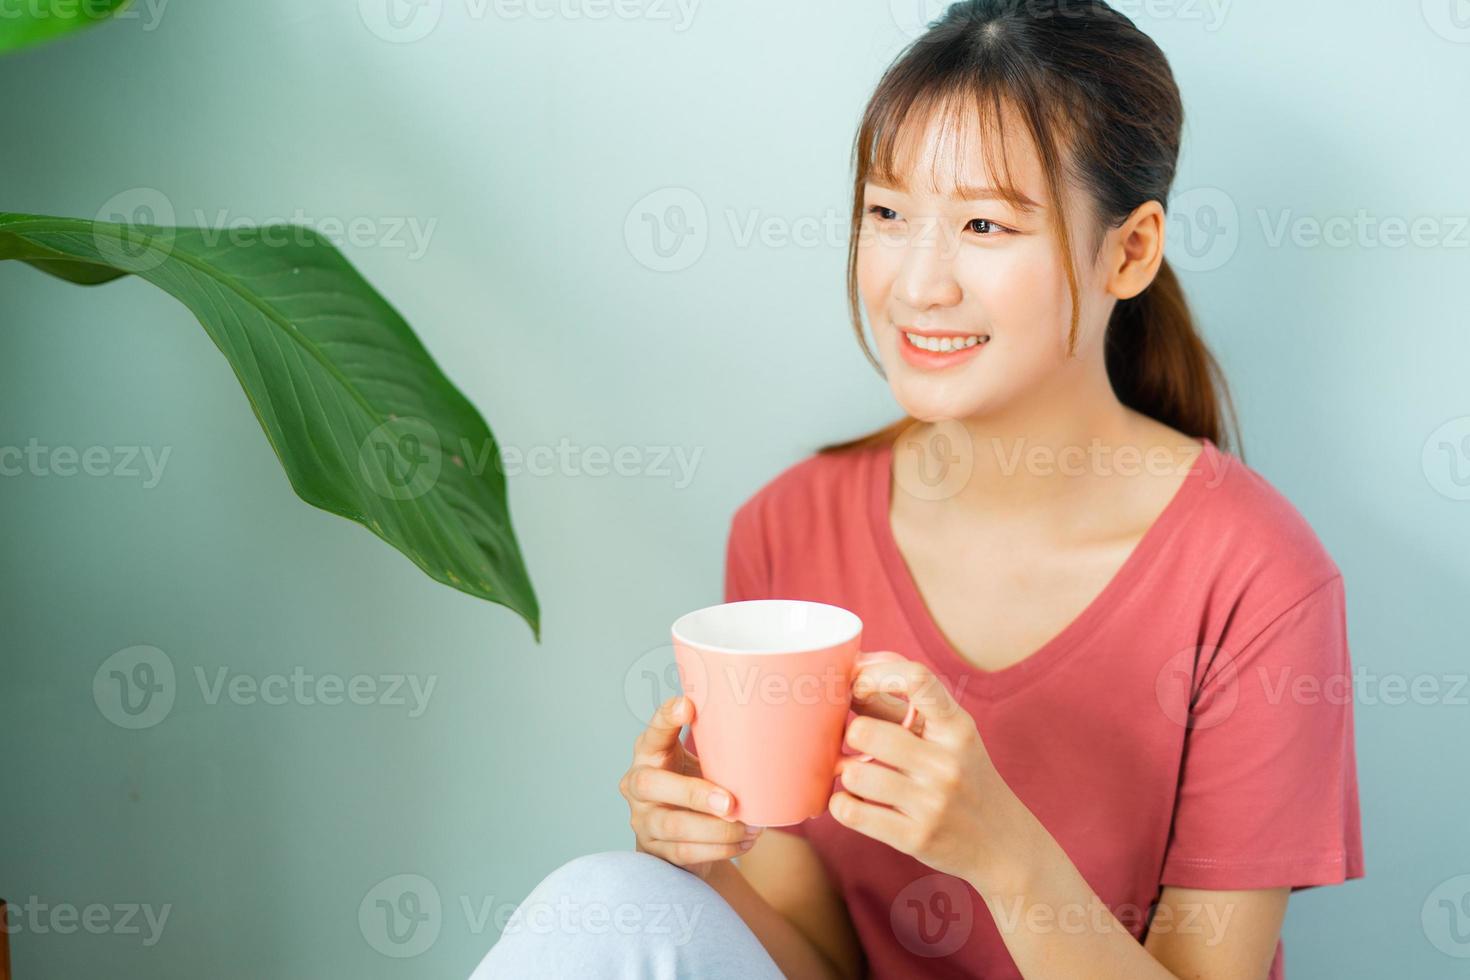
(758,626)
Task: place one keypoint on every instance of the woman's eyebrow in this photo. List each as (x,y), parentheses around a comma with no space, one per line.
(966,193)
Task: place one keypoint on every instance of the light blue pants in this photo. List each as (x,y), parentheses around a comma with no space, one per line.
(625,915)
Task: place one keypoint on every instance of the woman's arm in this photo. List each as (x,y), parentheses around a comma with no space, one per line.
(783,894)
(1054,925)
(937,796)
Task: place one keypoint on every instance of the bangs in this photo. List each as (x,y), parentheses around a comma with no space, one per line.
(964,111)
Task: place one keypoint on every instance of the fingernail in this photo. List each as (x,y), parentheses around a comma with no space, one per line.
(678,704)
(747,844)
(720,800)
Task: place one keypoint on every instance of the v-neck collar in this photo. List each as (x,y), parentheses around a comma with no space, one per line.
(997,683)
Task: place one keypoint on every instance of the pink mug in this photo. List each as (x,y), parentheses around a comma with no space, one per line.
(771,682)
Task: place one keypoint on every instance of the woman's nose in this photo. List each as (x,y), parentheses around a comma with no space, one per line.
(926,277)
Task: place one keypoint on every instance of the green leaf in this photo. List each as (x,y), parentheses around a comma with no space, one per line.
(363,421)
(27,22)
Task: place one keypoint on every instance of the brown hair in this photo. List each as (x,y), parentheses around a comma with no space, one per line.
(1083,70)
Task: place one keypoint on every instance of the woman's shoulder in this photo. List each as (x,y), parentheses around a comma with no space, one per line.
(1254,530)
(820,485)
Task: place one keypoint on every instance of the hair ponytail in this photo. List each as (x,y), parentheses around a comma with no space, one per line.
(1159,365)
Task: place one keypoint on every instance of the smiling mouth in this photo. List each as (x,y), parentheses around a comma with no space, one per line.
(946,344)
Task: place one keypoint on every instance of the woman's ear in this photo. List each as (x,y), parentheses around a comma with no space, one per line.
(1136,250)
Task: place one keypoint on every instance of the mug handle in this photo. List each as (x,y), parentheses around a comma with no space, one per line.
(880,657)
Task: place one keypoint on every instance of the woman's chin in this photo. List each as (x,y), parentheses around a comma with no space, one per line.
(928,401)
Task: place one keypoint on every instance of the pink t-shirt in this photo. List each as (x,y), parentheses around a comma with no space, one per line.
(1193,726)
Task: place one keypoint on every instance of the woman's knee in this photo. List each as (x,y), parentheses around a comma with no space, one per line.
(619,876)
(624,913)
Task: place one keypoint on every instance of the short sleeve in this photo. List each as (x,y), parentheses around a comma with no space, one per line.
(1268,792)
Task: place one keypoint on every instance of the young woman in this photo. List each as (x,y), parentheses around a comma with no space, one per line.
(1107,617)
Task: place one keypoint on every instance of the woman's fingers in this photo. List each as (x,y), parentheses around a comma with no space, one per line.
(651,784)
(685,853)
(668,824)
(662,733)
(922,688)
(875,783)
(888,707)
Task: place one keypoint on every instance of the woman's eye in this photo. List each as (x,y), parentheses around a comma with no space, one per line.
(985,227)
(884,214)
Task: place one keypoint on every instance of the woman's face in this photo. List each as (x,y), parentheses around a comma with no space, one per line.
(960,265)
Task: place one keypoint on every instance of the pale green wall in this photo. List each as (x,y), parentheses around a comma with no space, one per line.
(527,143)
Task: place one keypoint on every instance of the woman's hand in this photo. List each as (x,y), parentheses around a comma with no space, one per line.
(942,801)
(675,813)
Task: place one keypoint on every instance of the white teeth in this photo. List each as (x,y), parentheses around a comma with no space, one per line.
(945,345)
